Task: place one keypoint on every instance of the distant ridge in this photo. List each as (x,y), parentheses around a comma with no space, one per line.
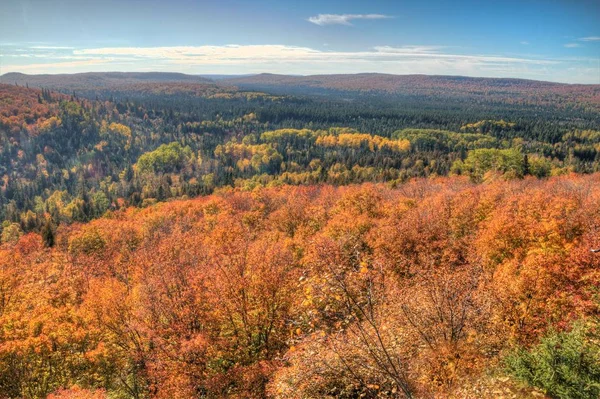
(359,81)
(466,89)
(81,81)
(385,82)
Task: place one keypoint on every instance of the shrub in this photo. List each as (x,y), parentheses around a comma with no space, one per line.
(564,364)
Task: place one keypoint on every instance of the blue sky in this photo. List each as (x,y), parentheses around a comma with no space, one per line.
(545,40)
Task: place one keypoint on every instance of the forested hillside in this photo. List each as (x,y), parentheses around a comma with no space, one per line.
(98,80)
(491,90)
(171,238)
(66,158)
(438,288)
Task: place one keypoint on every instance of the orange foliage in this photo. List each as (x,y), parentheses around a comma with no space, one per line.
(20,110)
(299,292)
(78,393)
(364,140)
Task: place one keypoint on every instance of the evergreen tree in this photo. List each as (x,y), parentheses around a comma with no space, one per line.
(48,234)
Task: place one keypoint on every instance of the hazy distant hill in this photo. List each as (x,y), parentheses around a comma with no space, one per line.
(518,91)
(95,80)
(432,89)
(392,83)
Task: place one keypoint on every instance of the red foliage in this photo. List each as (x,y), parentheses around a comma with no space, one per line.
(301,291)
(21,109)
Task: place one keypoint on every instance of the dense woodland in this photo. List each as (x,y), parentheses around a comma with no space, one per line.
(173,237)
(73,158)
(429,88)
(439,287)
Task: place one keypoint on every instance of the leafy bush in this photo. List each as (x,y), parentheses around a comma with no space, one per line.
(539,167)
(88,241)
(10,232)
(508,162)
(166,158)
(564,364)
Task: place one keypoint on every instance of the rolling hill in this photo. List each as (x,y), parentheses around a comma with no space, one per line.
(502,90)
(436,89)
(85,81)
(398,83)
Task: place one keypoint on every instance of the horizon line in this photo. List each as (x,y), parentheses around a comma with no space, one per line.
(297,75)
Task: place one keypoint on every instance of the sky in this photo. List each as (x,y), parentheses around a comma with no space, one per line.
(543,40)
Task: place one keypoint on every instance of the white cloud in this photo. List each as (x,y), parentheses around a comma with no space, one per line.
(343,19)
(590,39)
(204,54)
(51,48)
(525,43)
(249,54)
(408,49)
(37,68)
(572,45)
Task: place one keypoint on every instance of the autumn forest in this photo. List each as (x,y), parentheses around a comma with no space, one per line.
(345,236)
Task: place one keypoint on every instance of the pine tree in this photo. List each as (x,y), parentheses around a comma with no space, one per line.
(48,234)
